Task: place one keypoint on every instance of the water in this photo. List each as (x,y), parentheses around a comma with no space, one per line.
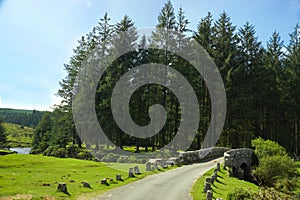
(21,150)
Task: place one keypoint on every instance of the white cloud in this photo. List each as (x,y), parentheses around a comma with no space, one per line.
(0,102)
(55,100)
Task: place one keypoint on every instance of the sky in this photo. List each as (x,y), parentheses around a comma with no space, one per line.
(38,37)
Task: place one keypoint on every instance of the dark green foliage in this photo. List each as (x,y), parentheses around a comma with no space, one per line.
(239,194)
(55,151)
(29,118)
(42,134)
(3,139)
(274,168)
(53,130)
(274,163)
(267,148)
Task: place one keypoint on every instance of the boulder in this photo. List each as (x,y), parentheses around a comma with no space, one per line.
(130,172)
(62,187)
(86,184)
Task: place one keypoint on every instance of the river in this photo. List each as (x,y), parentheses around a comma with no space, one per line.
(21,150)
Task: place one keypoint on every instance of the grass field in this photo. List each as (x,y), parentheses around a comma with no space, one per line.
(222,187)
(18,136)
(37,177)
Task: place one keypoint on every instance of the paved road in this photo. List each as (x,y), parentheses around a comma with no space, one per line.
(171,185)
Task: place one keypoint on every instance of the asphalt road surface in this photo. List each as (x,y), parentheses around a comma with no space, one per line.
(171,185)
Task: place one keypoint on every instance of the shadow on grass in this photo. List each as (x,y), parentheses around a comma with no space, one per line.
(218,176)
(218,181)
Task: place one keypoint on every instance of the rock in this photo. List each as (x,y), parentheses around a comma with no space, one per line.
(208,180)
(62,187)
(155,162)
(209,195)
(216,171)
(136,170)
(130,172)
(118,177)
(163,163)
(86,184)
(214,177)
(207,186)
(104,182)
(173,161)
(148,166)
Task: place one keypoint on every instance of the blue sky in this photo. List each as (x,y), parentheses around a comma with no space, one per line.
(37,37)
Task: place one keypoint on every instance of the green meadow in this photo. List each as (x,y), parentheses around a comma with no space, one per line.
(37,176)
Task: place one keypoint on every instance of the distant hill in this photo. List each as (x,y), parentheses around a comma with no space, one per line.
(18,136)
(29,118)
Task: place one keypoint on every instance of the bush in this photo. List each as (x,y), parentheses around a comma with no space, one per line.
(35,151)
(287,184)
(84,155)
(239,194)
(271,194)
(72,150)
(266,148)
(55,151)
(274,167)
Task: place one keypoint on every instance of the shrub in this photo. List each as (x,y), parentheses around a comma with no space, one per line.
(274,163)
(274,167)
(265,148)
(239,194)
(55,151)
(72,150)
(271,194)
(84,155)
(287,184)
(35,151)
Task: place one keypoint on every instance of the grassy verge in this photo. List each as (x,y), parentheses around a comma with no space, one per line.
(222,187)
(37,176)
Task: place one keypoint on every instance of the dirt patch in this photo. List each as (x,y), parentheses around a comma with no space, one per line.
(48,198)
(24,197)
(18,197)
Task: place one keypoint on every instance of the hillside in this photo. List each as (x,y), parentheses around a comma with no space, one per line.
(29,118)
(18,136)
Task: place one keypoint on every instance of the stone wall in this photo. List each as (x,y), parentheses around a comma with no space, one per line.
(240,162)
(202,154)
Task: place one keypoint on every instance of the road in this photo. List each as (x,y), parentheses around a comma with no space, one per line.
(171,185)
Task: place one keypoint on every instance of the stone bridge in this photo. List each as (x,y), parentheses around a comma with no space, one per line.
(201,155)
(240,162)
